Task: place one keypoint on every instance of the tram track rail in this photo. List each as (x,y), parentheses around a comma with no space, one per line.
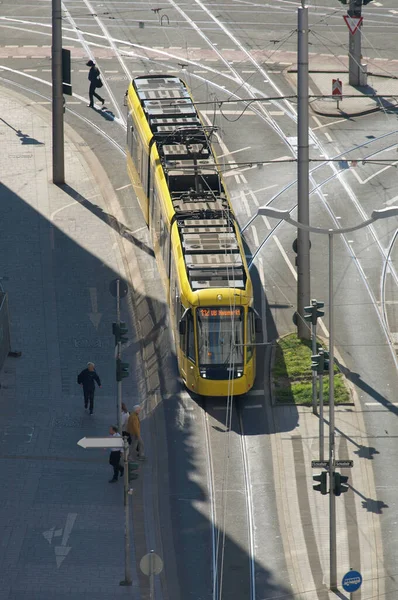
(223,500)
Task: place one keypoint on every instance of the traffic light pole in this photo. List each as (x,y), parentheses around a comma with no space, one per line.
(354,47)
(119,355)
(57,97)
(127,565)
(321,421)
(332,497)
(314,374)
(303,210)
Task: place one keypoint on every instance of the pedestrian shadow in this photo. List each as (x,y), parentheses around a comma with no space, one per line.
(357,380)
(107,218)
(26,140)
(361,451)
(105,113)
(372,506)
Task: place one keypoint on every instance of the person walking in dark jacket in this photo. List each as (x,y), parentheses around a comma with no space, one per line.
(87,379)
(95,82)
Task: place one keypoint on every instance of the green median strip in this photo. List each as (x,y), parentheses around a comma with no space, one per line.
(292,374)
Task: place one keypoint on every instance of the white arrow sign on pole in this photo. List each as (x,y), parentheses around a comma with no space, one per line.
(101,442)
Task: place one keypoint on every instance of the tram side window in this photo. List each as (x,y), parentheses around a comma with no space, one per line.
(251,334)
(191,337)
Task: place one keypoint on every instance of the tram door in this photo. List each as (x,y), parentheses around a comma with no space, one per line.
(187,341)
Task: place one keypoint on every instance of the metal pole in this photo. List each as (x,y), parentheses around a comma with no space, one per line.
(57,97)
(151,577)
(321,421)
(314,374)
(332,497)
(303,212)
(127,566)
(354,45)
(119,353)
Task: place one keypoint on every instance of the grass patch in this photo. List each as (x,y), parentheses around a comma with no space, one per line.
(292,374)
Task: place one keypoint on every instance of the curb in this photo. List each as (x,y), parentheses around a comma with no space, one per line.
(316,105)
(337,355)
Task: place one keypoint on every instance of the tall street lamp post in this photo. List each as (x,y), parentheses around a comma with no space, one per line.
(285,216)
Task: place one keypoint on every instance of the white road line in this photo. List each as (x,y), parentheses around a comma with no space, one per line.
(255,236)
(234,152)
(328,136)
(285,256)
(123,187)
(62,208)
(245,203)
(386,405)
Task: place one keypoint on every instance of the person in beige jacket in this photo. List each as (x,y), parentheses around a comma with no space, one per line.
(134,429)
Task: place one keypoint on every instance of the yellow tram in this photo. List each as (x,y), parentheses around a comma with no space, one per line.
(195,235)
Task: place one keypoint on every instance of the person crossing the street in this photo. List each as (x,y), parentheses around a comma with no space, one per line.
(87,379)
(95,82)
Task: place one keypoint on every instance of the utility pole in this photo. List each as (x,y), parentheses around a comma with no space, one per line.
(127,564)
(57,96)
(303,209)
(354,45)
(118,357)
(332,497)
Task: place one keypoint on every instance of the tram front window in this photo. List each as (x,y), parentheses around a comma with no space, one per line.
(220,339)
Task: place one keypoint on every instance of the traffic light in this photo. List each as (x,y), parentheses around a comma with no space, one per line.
(122,370)
(312,312)
(320,361)
(322,485)
(119,330)
(339,484)
(317,363)
(133,467)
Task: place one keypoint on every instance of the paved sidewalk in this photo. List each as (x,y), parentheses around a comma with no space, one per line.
(382,83)
(61,523)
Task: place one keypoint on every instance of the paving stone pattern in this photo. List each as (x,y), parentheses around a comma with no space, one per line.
(61,523)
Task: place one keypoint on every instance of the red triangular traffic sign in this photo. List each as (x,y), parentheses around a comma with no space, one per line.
(353,23)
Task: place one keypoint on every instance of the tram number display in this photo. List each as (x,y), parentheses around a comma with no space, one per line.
(205,313)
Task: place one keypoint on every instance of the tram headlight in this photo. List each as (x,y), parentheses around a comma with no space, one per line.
(203,373)
(239,373)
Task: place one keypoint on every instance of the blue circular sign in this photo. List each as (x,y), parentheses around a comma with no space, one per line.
(352,581)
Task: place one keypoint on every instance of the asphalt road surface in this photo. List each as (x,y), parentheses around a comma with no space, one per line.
(229,51)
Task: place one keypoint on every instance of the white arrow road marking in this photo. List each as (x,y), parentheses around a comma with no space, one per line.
(95,316)
(61,551)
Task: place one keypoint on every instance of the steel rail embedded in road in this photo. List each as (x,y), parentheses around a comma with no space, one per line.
(211,488)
